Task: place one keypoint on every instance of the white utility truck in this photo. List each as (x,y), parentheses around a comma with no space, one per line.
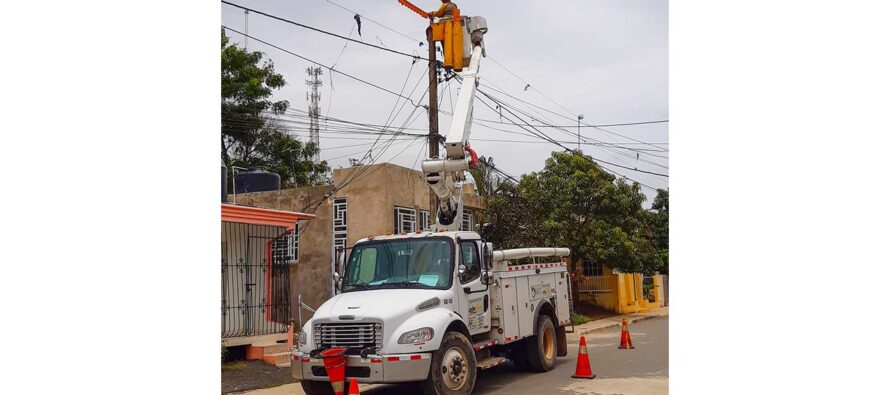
(436,306)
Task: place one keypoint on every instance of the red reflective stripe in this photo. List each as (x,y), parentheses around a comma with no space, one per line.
(506,285)
(392,359)
(305,359)
(376,360)
(415,357)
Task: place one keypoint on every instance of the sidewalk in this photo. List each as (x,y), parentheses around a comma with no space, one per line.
(605,323)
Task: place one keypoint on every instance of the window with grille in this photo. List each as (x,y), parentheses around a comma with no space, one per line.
(591,269)
(405,220)
(286,248)
(339,224)
(424,220)
(467,222)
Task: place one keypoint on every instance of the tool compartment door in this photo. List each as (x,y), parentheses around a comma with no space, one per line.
(509,314)
(562,297)
(525,307)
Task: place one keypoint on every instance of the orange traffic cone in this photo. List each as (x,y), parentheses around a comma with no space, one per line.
(625,337)
(353,387)
(582,367)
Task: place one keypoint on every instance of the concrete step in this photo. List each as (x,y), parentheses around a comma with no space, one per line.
(277,359)
(275,348)
(257,351)
(490,362)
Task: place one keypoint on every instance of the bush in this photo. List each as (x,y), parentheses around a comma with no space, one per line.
(578,319)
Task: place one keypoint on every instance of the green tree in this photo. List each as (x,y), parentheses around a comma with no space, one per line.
(660,225)
(574,203)
(485,178)
(249,135)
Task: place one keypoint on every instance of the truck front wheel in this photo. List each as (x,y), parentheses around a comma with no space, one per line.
(453,368)
(541,348)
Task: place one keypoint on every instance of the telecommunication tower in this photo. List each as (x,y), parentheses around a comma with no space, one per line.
(314,99)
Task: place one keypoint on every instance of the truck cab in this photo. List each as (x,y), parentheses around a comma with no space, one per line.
(419,307)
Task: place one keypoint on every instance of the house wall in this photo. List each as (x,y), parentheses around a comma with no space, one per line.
(315,241)
(370,200)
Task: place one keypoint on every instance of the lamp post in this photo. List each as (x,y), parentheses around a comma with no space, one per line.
(580,117)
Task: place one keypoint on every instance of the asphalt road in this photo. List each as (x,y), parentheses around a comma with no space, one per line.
(641,371)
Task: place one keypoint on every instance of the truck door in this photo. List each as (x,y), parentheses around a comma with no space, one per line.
(472,296)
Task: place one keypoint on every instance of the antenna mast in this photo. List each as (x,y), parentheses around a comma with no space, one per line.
(314,98)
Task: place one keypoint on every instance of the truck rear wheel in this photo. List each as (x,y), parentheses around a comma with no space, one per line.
(453,368)
(541,348)
(317,387)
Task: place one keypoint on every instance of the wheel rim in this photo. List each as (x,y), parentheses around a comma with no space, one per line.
(549,344)
(454,368)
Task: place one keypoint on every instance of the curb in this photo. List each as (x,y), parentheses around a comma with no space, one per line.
(630,320)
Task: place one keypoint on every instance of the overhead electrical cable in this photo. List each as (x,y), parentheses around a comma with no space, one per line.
(319,30)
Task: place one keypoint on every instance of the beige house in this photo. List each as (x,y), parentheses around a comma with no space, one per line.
(368,200)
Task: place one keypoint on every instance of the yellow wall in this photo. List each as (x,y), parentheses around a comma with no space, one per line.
(627,295)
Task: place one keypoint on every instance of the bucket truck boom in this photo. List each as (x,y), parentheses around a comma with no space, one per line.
(446,175)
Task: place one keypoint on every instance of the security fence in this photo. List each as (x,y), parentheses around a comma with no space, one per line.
(255,280)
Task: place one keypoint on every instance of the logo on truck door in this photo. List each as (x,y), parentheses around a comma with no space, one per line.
(541,291)
(475,311)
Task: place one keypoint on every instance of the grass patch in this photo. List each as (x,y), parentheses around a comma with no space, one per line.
(578,319)
(238,365)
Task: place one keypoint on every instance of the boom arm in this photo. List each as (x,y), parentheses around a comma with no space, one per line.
(445,175)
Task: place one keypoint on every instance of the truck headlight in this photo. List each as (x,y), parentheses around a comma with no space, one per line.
(303,337)
(416,336)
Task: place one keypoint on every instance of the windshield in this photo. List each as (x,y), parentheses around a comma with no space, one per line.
(405,263)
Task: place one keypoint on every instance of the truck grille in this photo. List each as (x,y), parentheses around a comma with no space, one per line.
(351,335)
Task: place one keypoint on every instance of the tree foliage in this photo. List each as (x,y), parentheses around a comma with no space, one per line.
(249,137)
(574,203)
(660,225)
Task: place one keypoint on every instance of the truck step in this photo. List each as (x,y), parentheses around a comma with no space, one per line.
(490,362)
(484,344)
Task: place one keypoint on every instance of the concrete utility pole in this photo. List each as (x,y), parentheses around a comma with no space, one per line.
(314,99)
(433,117)
(434,99)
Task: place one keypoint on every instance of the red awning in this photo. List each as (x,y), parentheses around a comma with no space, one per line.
(262,216)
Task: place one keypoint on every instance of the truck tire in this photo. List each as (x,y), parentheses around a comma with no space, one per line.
(541,348)
(453,367)
(317,387)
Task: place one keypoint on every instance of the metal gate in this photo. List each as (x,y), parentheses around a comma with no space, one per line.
(649,288)
(255,280)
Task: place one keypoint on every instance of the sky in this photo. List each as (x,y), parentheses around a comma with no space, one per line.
(604,59)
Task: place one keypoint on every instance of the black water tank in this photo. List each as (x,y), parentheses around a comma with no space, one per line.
(257,180)
(225,185)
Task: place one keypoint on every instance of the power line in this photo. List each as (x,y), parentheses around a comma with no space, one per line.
(560,105)
(563,146)
(320,30)
(506,107)
(323,65)
(377,23)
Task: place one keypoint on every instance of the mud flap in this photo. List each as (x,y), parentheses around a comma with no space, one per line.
(562,348)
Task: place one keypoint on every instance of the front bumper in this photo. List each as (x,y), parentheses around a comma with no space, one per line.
(373,369)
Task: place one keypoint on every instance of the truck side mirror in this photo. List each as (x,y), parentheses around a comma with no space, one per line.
(487,255)
(337,281)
